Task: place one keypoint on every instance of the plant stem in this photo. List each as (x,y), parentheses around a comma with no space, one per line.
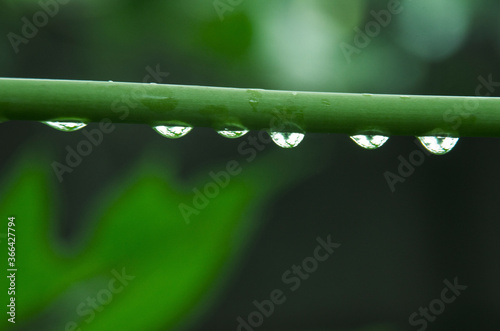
(215,107)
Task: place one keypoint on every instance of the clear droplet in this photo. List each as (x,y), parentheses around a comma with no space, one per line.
(438,145)
(172,132)
(369,141)
(66,126)
(254,103)
(286,139)
(255,96)
(233,132)
(110,81)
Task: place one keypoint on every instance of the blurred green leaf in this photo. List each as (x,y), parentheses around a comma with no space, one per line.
(136,230)
(231,38)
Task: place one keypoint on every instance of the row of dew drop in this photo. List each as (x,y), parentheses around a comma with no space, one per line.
(437,145)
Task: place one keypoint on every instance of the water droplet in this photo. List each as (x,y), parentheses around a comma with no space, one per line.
(405,97)
(110,81)
(172,132)
(255,96)
(233,131)
(367,95)
(286,134)
(254,103)
(369,141)
(438,145)
(286,139)
(153,83)
(65,126)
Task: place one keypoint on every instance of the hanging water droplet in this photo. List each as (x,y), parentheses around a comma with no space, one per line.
(65,126)
(286,134)
(438,145)
(369,141)
(286,139)
(233,131)
(172,132)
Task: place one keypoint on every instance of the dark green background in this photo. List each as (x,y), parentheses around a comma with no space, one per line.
(396,247)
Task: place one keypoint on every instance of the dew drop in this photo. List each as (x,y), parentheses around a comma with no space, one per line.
(438,145)
(254,103)
(172,132)
(405,97)
(367,95)
(110,81)
(286,139)
(65,126)
(233,131)
(255,96)
(369,141)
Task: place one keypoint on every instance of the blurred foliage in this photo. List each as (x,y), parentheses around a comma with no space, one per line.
(431,47)
(136,229)
(280,44)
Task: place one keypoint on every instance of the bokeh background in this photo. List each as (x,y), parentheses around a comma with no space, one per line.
(118,209)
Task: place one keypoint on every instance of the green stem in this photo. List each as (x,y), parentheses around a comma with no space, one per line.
(199,106)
